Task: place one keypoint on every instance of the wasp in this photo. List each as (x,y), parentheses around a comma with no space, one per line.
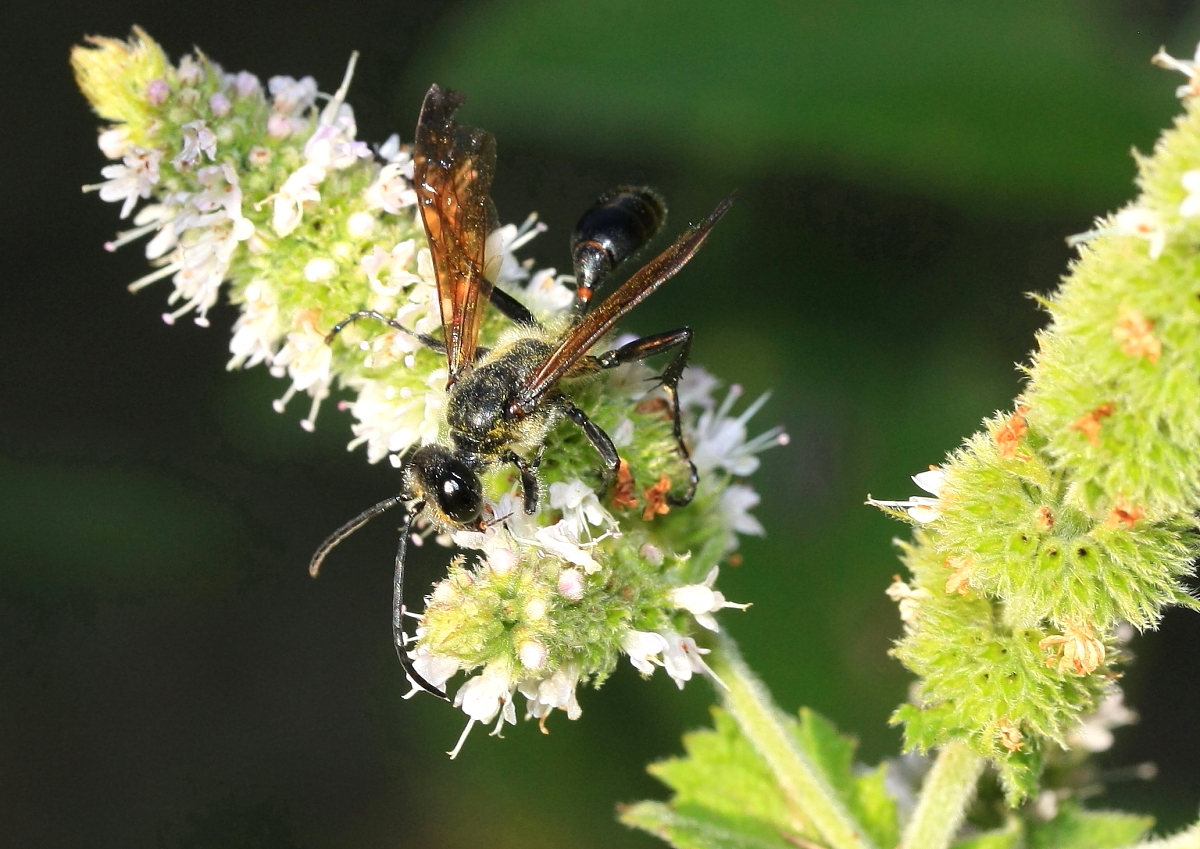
(502,401)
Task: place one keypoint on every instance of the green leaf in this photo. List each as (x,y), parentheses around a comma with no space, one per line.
(864,795)
(703,831)
(1012,836)
(1076,829)
(725,795)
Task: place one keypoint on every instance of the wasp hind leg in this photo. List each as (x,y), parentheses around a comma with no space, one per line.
(648,346)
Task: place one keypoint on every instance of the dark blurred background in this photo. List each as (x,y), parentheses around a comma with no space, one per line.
(170,676)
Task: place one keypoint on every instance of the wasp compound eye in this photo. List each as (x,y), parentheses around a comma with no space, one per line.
(438,475)
(459,493)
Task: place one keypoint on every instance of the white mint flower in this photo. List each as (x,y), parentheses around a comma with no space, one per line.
(392,419)
(209,234)
(198,140)
(696,387)
(333,145)
(435,668)
(189,70)
(1190,206)
(532,654)
(499,264)
(547,295)
(920,507)
(1165,60)
(255,333)
(557,539)
(360,225)
(132,179)
(484,697)
(908,600)
(644,649)
(291,96)
(580,508)
(157,92)
(719,441)
(392,190)
(392,151)
(702,601)
(319,269)
(1144,224)
(220,104)
(298,189)
(114,142)
(570,584)
(682,658)
(556,691)
(246,84)
(1095,733)
(737,500)
(306,359)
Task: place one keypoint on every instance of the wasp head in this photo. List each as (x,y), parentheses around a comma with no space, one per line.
(444,481)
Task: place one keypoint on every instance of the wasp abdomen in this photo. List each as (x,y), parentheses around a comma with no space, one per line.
(611,230)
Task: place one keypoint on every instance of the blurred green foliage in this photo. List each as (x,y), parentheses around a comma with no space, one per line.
(906,172)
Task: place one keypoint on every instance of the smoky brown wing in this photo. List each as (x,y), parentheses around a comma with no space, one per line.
(452,169)
(580,339)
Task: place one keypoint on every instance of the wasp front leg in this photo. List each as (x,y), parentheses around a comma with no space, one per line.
(648,346)
(530,487)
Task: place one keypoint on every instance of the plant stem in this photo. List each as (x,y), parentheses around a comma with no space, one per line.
(948,789)
(766,727)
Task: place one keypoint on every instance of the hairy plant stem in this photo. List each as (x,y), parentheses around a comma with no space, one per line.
(948,789)
(766,727)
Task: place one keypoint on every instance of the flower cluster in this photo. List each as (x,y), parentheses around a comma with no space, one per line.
(265,190)
(1071,518)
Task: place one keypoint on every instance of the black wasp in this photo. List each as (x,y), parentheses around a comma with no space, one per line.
(502,401)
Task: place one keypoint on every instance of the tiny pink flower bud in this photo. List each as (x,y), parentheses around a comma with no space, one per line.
(157,92)
(219,105)
(319,269)
(570,584)
(279,126)
(246,84)
(259,157)
(532,654)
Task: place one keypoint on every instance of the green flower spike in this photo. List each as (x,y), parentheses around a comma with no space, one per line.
(1073,514)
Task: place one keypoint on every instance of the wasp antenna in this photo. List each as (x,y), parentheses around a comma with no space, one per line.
(424,339)
(350,527)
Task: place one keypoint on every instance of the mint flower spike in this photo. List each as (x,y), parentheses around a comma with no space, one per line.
(1071,518)
(265,190)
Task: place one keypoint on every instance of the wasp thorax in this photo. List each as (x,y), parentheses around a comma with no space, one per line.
(436,475)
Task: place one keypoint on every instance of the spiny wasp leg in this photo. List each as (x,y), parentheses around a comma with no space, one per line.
(512,309)
(600,440)
(530,487)
(649,346)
